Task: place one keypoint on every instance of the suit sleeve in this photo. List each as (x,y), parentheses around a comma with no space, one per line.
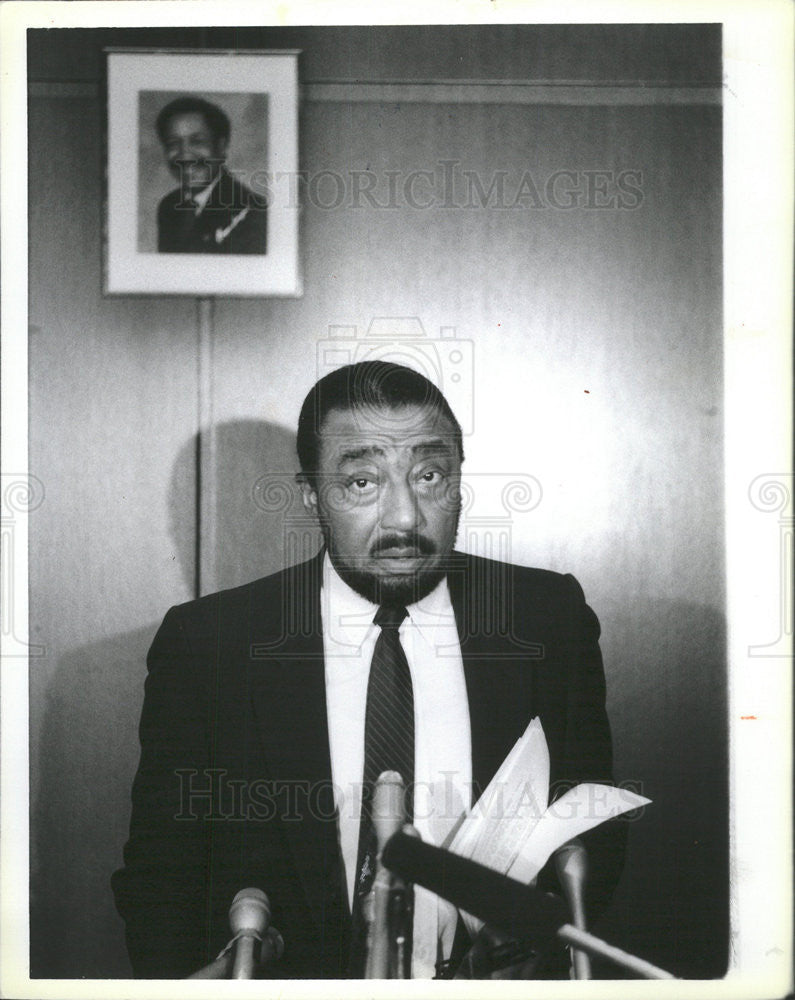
(161,890)
(587,748)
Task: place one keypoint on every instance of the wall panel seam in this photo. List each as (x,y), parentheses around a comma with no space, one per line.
(460,92)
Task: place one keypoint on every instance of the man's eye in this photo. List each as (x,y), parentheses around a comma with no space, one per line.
(430,476)
(360,484)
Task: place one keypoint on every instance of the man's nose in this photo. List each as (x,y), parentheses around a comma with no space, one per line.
(399,510)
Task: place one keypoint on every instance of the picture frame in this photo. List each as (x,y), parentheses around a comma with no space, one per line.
(218,125)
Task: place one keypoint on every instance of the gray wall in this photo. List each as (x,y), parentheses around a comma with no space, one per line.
(596,336)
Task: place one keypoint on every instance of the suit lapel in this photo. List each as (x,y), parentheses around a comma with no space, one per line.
(498,682)
(288,693)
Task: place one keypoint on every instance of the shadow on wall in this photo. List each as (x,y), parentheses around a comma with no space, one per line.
(254,501)
(668,703)
(89,744)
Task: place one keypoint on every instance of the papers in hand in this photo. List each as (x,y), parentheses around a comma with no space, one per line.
(513,829)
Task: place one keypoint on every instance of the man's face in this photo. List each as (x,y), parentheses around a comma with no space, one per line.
(193,153)
(388,499)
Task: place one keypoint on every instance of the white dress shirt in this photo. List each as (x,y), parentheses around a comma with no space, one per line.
(200,200)
(443,752)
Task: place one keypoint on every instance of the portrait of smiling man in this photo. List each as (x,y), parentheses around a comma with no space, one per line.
(272,708)
(210,211)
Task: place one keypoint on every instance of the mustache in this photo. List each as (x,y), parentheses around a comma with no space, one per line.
(424,546)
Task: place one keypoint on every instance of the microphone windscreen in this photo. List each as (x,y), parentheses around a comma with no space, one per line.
(388,808)
(521,911)
(571,860)
(250,911)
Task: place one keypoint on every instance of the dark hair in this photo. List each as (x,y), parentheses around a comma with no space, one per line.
(363,386)
(216,119)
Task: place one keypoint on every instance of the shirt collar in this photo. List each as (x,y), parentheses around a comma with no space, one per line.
(348,616)
(203,196)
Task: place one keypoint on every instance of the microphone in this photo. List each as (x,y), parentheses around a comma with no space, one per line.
(388,814)
(521,911)
(388,810)
(571,864)
(249,917)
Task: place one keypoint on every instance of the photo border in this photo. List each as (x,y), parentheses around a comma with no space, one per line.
(758,392)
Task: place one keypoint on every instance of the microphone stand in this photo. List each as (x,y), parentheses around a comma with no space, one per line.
(571,862)
(388,947)
(601,949)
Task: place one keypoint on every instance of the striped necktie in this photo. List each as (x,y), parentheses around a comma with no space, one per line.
(388,746)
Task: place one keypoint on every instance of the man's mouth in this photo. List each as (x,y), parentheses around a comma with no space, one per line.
(399,552)
(189,169)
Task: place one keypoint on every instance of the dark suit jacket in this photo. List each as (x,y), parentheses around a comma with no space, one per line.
(234,221)
(234,783)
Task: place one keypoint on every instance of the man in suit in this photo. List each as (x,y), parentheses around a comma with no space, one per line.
(210,211)
(260,720)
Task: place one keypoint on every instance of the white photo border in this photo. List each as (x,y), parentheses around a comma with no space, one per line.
(758,278)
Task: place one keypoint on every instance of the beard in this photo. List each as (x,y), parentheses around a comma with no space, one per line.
(393,588)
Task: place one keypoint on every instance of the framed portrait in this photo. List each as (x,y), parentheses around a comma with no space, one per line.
(195,140)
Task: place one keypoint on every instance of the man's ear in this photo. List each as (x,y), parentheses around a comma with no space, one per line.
(308,494)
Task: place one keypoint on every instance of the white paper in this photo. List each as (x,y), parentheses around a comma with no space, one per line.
(512,830)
